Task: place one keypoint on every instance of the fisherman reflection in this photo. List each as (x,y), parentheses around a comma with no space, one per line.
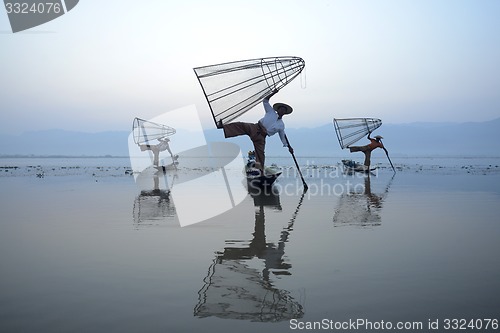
(154,206)
(271,254)
(237,287)
(360,208)
(373,200)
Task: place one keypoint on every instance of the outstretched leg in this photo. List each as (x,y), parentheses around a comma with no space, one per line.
(237,129)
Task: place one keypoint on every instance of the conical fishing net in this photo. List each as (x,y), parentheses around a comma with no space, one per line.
(232,89)
(350,130)
(145,131)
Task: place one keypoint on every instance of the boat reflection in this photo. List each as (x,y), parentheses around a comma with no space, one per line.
(239,283)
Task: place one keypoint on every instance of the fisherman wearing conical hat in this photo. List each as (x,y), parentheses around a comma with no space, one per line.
(367,150)
(156,149)
(269,125)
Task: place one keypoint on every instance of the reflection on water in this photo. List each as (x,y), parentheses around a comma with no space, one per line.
(73,260)
(239,284)
(154,206)
(361,206)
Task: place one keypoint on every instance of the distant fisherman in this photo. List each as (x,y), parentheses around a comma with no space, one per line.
(156,149)
(269,125)
(367,150)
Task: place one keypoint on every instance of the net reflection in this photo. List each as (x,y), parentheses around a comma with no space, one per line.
(239,282)
(154,204)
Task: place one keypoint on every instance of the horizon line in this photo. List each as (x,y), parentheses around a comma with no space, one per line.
(288,127)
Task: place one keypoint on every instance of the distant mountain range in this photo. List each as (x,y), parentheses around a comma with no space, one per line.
(68,143)
(412,139)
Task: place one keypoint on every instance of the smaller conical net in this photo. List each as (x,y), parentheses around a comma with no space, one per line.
(350,130)
(145,131)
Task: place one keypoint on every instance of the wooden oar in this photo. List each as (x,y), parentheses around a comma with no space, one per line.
(387,153)
(298,169)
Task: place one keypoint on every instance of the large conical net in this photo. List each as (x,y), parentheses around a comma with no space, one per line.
(350,130)
(145,131)
(232,89)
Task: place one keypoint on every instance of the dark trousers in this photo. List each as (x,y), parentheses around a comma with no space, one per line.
(366,150)
(257,134)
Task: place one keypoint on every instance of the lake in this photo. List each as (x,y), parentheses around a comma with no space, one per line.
(84,247)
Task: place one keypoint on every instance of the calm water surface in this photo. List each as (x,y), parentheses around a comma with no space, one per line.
(84,249)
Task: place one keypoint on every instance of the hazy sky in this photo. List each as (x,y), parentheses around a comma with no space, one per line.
(106,62)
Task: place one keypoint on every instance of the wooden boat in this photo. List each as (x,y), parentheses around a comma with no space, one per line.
(353,166)
(253,174)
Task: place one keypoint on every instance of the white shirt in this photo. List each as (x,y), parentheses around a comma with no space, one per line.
(272,124)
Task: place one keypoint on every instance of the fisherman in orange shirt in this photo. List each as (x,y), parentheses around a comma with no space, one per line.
(367,150)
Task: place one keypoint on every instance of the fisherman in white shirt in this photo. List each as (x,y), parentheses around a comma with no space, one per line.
(157,149)
(269,125)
